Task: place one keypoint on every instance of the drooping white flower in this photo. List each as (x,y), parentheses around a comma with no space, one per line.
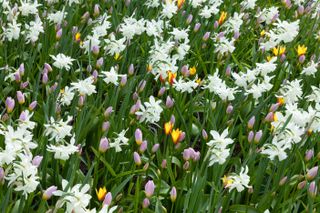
(28,7)
(185,86)
(34,29)
(311,69)
(239,182)
(58,130)
(57,17)
(84,87)
(120,140)
(114,46)
(111,77)
(63,151)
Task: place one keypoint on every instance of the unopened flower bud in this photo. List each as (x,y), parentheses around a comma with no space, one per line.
(169,102)
(105,126)
(229,109)
(302,58)
(204,134)
(196,27)
(131,69)
(145,203)
(173,194)
(108,112)
(9,104)
(137,158)
(59,34)
(107,199)
(104,145)
(186,165)
(32,105)
(250,136)
(251,122)
(258,136)
(99,63)
(96,10)
(189,19)
(138,136)
(95,50)
(206,36)
(164,164)
(20,97)
(185,71)
(313,189)
(283,181)
(312,173)
(149,188)
(21,69)
(155,148)
(309,154)
(143,146)
(47,194)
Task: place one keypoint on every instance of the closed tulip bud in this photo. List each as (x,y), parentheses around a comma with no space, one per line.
(250,136)
(189,19)
(169,102)
(196,156)
(95,50)
(81,101)
(105,126)
(287,3)
(258,136)
(21,69)
(309,155)
(228,70)
(145,203)
(108,112)
(274,107)
(131,69)
(96,10)
(143,146)
(33,105)
(59,34)
(1,174)
(47,194)
(269,117)
(104,145)
(45,78)
(24,85)
(135,96)
(204,134)
(229,109)
(300,10)
(36,161)
(17,77)
(9,104)
(283,57)
(85,17)
(196,27)
(123,80)
(236,35)
(283,181)
(136,158)
(164,164)
(172,119)
(313,189)
(302,58)
(99,63)
(312,173)
(48,67)
(186,154)
(182,136)
(95,75)
(23,116)
(138,136)
(161,91)
(251,122)
(216,24)
(141,86)
(173,194)
(185,71)
(89,68)
(302,184)
(206,36)
(155,148)
(149,188)
(107,199)
(20,97)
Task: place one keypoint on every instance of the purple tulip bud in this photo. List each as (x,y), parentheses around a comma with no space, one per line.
(10,104)
(251,122)
(89,68)
(169,102)
(145,203)
(95,50)
(274,107)
(309,154)
(173,194)
(283,181)
(196,27)
(1,174)
(33,105)
(45,78)
(312,173)
(185,71)
(189,19)
(149,188)
(136,158)
(85,16)
(196,156)
(23,116)
(204,134)
(228,70)
(283,57)
(302,184)
(288,3)
(236,35)
(131,69)
(99,62)
(17,77)
(21,69)
(164,164)
(182,136)
(138,136)
(107,199)
(187,154)
(313,189)
(81,101)
(108,111)
(37,160)
(59,34)
(161,91)
(229,109)
(172,119)
(24,85)
(143,146)
(105,126)
(216,24)
(104,145)
(258,136)
(302,58)
(206,36)
(250,136)
(20,97)
(96,10)
(269,117)
(300,10)
(95,75)
(47,194)
(48,67)
(141,85)
(135,96)
(155,148)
